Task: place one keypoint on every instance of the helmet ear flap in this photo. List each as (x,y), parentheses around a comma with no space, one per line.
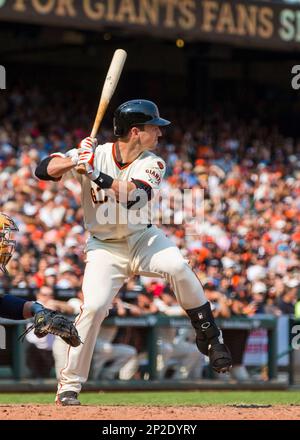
(119,131)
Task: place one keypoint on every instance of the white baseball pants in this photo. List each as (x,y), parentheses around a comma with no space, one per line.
(108,265)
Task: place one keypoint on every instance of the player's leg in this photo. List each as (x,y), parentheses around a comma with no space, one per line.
(105,273)
(59,351)
(155,255)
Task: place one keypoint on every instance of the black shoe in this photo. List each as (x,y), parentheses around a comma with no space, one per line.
(220,358)
(68,398)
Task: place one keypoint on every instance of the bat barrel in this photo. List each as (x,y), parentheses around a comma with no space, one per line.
(109,87)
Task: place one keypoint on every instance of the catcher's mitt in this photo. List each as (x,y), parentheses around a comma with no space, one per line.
(48,321)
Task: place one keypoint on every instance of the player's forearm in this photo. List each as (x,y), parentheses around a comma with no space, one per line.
(58,166)
(122,189)
(52,168)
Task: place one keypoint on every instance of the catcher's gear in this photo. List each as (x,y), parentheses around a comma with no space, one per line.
(7,246)
(209,338)
(48,321)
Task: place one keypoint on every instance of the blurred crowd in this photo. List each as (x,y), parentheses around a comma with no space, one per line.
(245,244)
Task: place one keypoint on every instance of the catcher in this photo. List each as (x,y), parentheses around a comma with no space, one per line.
(11,307)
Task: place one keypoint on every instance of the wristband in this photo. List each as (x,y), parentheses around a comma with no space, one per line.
(104,181)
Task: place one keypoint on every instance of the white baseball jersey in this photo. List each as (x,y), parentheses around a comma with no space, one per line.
(104,217)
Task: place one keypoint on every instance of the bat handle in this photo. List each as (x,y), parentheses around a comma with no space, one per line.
(80,169)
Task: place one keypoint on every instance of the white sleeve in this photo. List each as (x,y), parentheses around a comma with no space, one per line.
(151,172)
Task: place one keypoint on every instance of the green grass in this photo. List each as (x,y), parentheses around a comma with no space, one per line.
(166,398)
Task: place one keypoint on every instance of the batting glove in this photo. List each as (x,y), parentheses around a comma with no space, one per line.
(73,155)
(89,142)
(86,157)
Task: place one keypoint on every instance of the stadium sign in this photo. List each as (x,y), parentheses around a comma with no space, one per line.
(244,22)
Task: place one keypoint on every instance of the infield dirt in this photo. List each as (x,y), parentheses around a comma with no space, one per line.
(97,412)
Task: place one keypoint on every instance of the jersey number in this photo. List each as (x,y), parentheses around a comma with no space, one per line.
(94,197)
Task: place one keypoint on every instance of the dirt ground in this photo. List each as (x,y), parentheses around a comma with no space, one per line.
(95,412)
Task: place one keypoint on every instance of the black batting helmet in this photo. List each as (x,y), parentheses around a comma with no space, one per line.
(136,112)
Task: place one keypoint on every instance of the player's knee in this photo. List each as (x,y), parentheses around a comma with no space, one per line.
(178,268)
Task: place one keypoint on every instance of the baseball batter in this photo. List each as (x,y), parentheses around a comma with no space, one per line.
(117,249)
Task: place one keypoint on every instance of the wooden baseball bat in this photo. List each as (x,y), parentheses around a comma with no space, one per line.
(109,87)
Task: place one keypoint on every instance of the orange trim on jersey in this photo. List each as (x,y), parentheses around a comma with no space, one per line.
(117,163)
(115,159)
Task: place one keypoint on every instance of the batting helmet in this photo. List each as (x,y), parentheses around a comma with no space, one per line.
(7,246)
(136,112)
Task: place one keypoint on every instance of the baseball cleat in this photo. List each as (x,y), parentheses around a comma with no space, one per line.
(68,398)
(220,358)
